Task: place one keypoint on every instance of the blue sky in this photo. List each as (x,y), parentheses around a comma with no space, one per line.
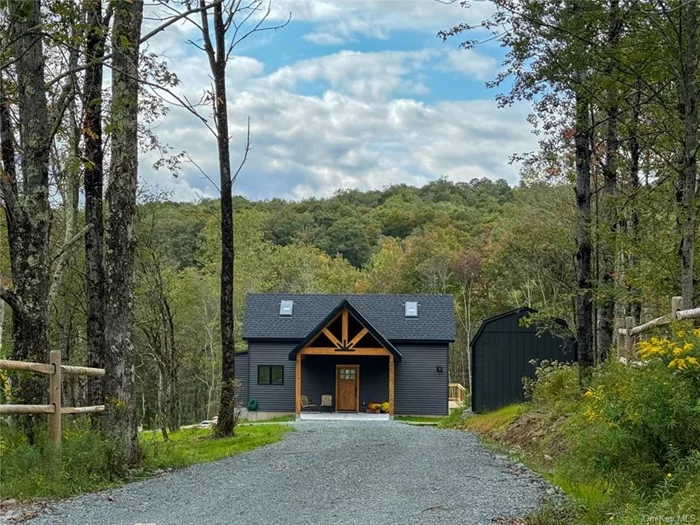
(350,94)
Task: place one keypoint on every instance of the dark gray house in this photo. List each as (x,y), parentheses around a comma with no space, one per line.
(353,349)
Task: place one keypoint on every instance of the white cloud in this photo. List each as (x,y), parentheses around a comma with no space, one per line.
(364,75)
(471,63)
(340,21)
(348,119)
(313,145)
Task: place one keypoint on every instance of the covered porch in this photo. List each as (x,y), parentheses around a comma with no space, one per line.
(347,360)
(342,416)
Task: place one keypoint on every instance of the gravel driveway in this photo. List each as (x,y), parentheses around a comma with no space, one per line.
(326,473)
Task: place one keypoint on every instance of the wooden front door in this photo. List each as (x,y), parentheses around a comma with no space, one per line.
(347,387)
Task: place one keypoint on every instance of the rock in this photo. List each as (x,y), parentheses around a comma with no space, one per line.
(8,503)
(547,457)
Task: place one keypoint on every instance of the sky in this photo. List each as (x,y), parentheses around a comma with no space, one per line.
(349,94)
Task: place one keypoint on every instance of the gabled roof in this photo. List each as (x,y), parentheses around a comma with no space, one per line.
(516,311)
(435,321)
(341,306)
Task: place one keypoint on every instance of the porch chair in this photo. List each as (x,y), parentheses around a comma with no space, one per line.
(327,401)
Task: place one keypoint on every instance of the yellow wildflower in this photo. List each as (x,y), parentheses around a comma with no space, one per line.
(668,475)
(590,414)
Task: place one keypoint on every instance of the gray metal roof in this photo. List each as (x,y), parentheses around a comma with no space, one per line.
(435,321)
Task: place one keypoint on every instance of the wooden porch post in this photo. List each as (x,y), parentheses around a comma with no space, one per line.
(297,383)
(391,385)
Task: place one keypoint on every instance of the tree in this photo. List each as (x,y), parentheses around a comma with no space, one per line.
(686,187)
(346,237)
(220,37)
(120,241)
(25,194)
(93,174)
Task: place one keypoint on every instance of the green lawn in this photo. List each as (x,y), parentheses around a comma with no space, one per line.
(87,464)
(195,445)
(419,420)
(278,419)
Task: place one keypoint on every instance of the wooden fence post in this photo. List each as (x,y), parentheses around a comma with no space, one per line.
(55,397)
(619,338)
(676,304)
(629,340)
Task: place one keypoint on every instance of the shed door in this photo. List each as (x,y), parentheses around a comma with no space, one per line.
(347,381)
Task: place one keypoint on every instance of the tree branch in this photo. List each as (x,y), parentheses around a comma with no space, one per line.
(184,14)
(147,36)
(12,299)
(69,244)
(245,154)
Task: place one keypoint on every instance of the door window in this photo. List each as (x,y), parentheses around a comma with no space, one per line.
(347,373)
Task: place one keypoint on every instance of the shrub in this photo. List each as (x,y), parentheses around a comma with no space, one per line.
(555,387)
(638,425)
(629,445)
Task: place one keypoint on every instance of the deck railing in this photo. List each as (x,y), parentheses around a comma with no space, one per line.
(456,393)
(55,371)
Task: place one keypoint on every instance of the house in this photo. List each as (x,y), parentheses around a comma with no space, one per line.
(502,352)
(359,349)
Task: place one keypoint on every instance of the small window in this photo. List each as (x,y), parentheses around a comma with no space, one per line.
(270,374)
(347,373)
(286,308)
(411,309)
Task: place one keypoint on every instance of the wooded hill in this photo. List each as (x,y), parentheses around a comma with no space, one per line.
(494,247)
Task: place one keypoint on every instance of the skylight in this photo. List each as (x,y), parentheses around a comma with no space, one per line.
(286,308)
(411,309)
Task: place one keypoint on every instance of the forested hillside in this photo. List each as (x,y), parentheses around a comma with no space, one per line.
(457,238)
(492,246)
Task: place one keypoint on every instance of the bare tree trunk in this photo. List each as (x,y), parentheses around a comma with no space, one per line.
(217,60)
(584,295)
(173,416)
(634,307)
(607,307)
(93,174)
(688,110)
(120,239)
(29,215)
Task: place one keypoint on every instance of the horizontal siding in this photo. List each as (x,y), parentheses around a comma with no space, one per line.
(318,378)
(242,376)
(419,389)
(271,398)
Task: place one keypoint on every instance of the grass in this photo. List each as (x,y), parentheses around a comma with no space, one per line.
(625,452)
(494,421)
(87,463)
(195,445)
(278,419)
(420,420)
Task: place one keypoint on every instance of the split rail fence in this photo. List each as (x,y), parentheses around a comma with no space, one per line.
(55,370)
(627,333)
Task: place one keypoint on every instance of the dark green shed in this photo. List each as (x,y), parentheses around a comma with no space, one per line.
(501,352)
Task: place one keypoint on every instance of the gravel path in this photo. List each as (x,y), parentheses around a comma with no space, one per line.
(326,473)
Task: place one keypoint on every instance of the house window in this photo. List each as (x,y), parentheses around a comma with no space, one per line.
(270,374)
